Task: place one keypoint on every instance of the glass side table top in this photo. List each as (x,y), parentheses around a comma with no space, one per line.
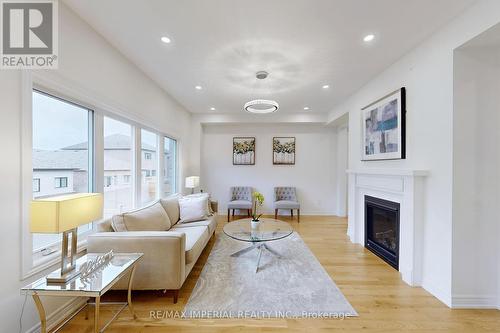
(100,282)
(268,230)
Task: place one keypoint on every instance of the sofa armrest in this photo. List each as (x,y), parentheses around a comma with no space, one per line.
(163,264)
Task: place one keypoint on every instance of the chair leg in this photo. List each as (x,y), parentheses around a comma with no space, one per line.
(298,215)
(228,214)
(248,212)
(233,212)
(291,213)
(276,214)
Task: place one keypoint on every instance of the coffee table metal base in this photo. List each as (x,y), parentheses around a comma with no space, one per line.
(260,247)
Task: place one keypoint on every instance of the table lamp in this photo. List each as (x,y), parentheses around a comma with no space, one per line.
(192,182)
(65,214)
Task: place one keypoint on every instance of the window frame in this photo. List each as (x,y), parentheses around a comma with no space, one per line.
(58,182)
(53,250)
(58,87)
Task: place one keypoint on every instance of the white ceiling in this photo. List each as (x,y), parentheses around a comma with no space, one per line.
(303,44)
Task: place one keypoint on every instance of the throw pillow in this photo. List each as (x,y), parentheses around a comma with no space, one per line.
(193,209)
(151,218)
(171,206)
(203,195)
(117,223)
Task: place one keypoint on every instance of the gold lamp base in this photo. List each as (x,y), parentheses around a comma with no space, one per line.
(68,270)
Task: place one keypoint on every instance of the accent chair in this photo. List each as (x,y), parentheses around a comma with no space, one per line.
(286,198)
(240,197)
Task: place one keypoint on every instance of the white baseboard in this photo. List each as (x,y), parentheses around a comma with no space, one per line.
(474,302)
(61,313)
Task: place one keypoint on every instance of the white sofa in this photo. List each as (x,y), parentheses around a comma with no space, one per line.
(170,248)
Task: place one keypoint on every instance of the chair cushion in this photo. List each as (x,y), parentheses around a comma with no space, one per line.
(171,206)
(151,218)
(196,238)
(239,204)
(286,204)
(210,222)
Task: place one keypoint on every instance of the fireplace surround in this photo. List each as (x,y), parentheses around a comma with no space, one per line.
(405,187)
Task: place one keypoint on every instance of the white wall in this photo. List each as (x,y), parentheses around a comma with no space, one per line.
(476,170)
(341,158)
(313,173)
(90,65)
(427,74)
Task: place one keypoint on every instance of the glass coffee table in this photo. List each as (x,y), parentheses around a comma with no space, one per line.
(268,230)
(95,286)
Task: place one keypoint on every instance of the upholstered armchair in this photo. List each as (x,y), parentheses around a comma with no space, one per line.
(286,198)
(240,197)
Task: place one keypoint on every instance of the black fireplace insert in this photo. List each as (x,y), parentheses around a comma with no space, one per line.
(382,229)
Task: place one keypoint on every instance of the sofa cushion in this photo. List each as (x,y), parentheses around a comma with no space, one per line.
(171,206)
(193,209)
(151,218)
(210,222)
(104,226)
(196,239)
(239,204)
(286,204)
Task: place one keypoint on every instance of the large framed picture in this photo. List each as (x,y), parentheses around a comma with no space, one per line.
(243,150)
(284,150)
(384,127)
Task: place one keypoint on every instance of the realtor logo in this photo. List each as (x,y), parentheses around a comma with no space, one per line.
(29,34)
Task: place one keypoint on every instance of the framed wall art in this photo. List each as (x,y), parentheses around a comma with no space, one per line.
(243,150)
(384,127)
(284,150)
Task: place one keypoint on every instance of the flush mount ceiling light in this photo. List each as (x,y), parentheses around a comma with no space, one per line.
(326,86)
(261,106)
(369,38)
(165,40)
(306,108)
(198,87)
(212,109)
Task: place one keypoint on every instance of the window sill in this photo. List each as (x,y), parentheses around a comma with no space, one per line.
(53,259)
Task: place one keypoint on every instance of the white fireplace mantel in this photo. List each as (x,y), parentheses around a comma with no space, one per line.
(405,187)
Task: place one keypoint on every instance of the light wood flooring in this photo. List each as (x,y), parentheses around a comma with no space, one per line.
(383,301)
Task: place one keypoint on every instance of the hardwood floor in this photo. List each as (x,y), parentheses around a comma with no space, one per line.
(384,303)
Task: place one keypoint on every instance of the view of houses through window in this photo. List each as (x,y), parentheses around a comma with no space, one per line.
(149,166)
(61,156)
(118,167)
(62,159)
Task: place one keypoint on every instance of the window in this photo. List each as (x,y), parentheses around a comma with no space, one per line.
(36,185)
(149,145)
(170,166)
(61,182)
(61,155)
(118,164)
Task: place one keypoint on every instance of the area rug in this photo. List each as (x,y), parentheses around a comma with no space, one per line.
(294,285)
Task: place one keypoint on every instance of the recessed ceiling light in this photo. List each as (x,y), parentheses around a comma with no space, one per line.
(369,38)
(198,87)
(212,109)
(306,108)
(165,39)
(326,86)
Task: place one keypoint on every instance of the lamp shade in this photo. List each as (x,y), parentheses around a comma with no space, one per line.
(192,181)
(65,212)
